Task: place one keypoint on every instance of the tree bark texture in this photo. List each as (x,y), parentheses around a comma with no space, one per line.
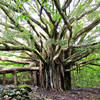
(54,77)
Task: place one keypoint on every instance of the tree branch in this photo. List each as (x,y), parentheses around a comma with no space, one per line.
(64,19)
(76,57)
(86,62)
(8,25)
(12,20)
(94,64)
(84,14)
(87,45)
(66,4)
(24,13)
(48,13)
(16,48)
(87,28)
(18,69)
(9,59)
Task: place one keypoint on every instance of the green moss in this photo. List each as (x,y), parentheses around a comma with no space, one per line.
(27,87)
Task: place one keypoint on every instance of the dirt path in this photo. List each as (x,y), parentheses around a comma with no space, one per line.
(75,94)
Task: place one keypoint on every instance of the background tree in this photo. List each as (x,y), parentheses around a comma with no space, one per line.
(57,34)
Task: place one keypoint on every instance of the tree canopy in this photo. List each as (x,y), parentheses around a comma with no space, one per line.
(52,32)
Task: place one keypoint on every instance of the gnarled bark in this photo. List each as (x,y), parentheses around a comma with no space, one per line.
(54,76)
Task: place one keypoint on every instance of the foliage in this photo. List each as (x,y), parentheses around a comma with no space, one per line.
(87,77)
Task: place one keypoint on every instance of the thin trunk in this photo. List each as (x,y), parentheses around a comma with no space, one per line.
(4,79)
(15,78)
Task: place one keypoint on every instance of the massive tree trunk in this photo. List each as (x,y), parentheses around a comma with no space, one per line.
(54,77)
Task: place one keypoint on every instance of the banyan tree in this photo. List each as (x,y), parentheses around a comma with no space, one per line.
(57,35)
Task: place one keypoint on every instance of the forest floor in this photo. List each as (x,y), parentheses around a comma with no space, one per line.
(77,93)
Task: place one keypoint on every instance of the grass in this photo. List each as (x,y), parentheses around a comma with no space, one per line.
(87,77)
